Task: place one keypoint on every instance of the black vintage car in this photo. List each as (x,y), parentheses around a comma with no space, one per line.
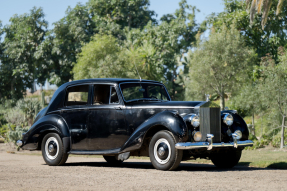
(118,118)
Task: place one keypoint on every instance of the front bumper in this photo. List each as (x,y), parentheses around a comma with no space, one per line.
(210,146)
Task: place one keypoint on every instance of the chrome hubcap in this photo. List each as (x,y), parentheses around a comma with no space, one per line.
(51,148)
(162,151)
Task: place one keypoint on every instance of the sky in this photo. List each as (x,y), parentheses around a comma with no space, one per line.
(55,9)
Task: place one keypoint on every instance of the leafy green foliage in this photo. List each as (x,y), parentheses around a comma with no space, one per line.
(19,66)
(263,41)
(30,108)
(220,64)
(15,134)
(15,116)
(65,41)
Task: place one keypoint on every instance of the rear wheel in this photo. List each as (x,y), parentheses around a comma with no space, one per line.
(113,160)
(226,160)
(162,151)
(53,150)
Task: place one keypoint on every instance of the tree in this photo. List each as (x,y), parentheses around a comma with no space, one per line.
(19,66)
(171,39)
(273,87)
(104,57)
(98,59)
(263,41)
(131,14)
(80,24)
(221,63)
(264,7)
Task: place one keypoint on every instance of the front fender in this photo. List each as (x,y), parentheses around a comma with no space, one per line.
(49,123)
(238,124)
(171,121)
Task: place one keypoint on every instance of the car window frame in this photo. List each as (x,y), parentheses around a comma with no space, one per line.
(115,85)
(77,106)
(111,96)
(122,95)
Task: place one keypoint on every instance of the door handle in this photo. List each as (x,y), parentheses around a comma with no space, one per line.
(118,108)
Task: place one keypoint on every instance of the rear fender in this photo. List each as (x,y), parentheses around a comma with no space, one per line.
(168,119)
(50,123)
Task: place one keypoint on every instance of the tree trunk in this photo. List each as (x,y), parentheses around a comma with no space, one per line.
(282,133)
(253,124)
(222,100)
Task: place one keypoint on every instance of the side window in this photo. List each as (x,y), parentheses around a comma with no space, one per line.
(77,95)
(114,96)
(101,94)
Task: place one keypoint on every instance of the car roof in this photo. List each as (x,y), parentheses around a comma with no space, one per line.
(107,80)
(58,97)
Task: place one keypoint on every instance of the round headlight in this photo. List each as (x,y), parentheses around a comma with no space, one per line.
(239,134)
(196,135)
(228,119)
(194,120)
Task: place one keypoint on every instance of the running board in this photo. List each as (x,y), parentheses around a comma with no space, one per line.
(100,152)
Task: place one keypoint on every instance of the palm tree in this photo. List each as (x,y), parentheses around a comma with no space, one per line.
(263,6)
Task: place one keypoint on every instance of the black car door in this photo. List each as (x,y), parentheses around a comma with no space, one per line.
(107,128)
(75,112)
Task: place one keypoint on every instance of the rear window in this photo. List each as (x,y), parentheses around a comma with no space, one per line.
(77,95)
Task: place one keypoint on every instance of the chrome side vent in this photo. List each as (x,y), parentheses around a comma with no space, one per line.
(210,123)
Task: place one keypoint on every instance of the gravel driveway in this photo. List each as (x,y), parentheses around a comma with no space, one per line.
(29,172)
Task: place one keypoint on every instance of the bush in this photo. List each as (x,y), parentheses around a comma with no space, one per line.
(3,132)
(30,107)
(14,134)
(15,116)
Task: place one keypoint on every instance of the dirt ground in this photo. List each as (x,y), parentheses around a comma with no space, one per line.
(23,171)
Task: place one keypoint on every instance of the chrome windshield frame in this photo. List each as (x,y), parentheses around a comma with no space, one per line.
(157,83)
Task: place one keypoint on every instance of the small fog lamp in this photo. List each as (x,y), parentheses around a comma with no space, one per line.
(196,136)
(239,134)
(228,119)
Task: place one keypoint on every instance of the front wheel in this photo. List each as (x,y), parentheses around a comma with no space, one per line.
(53,150)
(162,151)
(226,160)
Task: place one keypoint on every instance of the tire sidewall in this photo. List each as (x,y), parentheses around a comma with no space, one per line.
(58,159)
(227,160)
(174,152)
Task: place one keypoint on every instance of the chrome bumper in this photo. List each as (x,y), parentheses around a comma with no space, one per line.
(198,145)
(210,145)
(19,143)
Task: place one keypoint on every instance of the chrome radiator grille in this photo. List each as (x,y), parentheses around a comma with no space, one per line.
(210,123)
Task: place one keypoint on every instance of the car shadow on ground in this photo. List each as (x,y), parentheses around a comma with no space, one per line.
(243,166)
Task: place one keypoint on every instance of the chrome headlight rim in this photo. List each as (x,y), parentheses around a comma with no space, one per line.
(194,121)
(239,134)
(228,119)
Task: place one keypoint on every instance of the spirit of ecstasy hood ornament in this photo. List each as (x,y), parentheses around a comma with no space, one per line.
(207,97)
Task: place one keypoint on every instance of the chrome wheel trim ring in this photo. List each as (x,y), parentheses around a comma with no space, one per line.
(47,148)
(155,151)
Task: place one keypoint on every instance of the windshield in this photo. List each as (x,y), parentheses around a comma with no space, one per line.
(144,91)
